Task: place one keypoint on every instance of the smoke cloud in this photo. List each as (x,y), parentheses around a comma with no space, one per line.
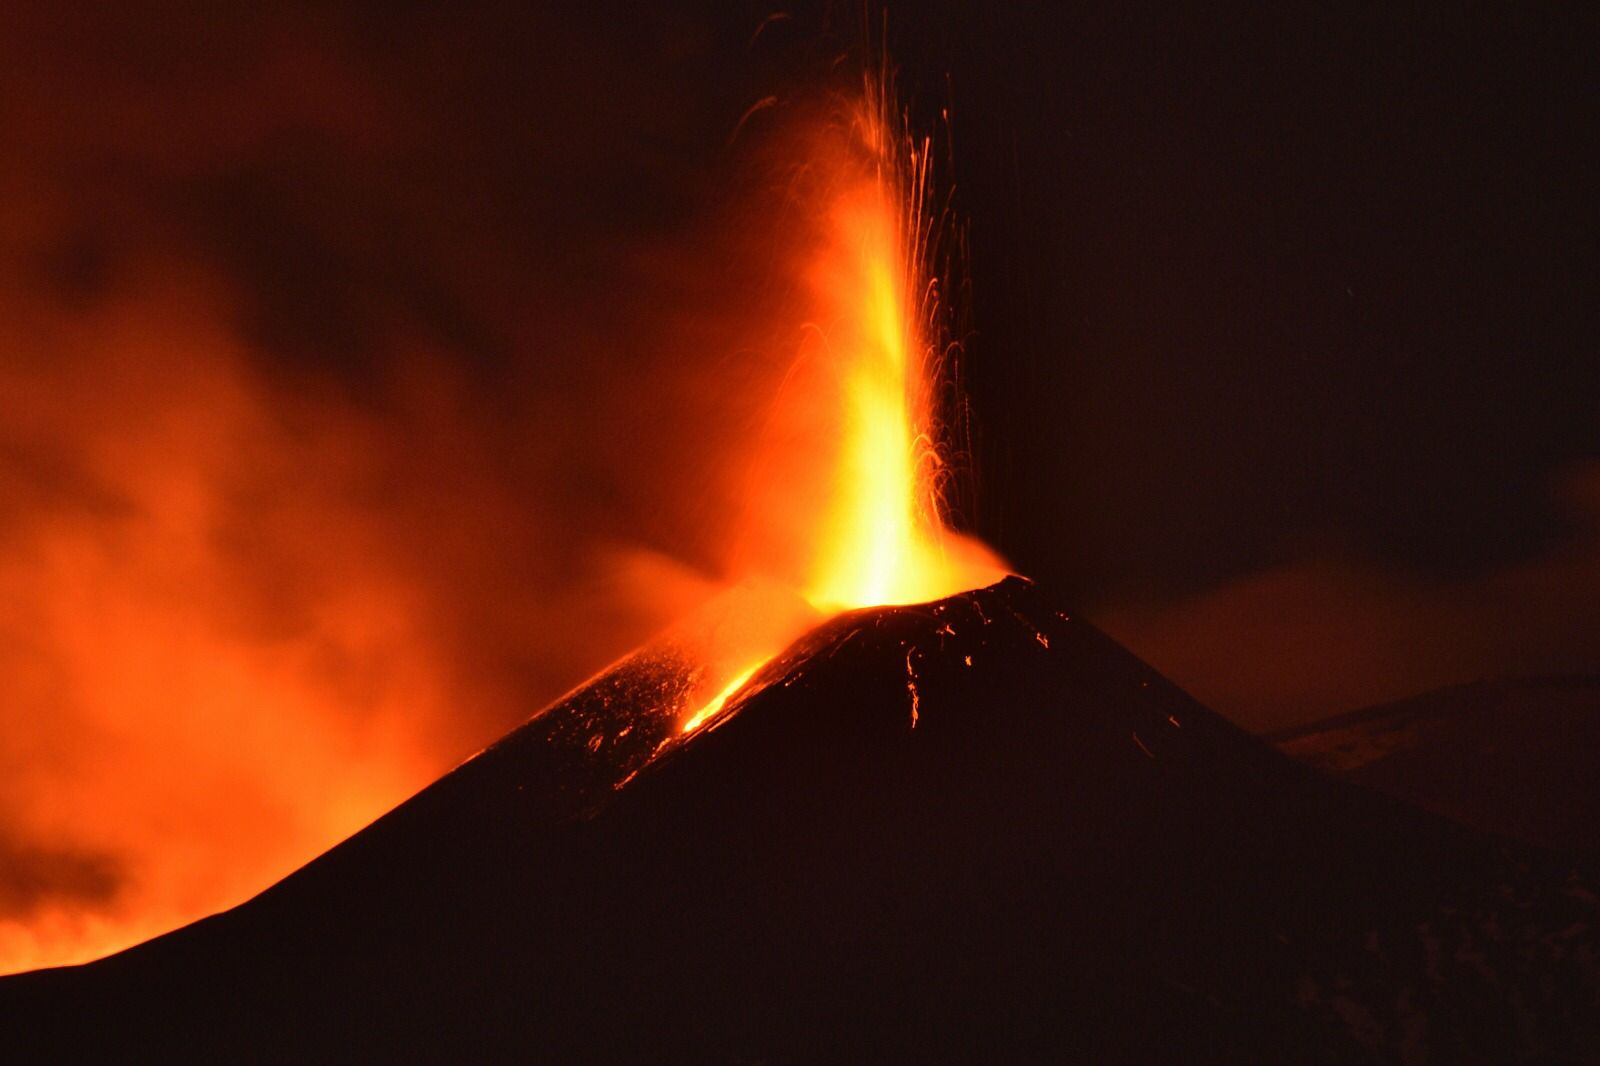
(324,457)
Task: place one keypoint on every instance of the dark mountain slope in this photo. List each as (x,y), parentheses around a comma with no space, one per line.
(1519,758)
(975,830)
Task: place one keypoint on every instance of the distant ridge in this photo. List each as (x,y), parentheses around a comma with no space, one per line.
(1425,702)
(1515,757)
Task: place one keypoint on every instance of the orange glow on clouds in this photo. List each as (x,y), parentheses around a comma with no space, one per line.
(244,618)
(173,729)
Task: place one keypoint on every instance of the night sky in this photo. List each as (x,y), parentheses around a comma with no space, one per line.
(1286,335)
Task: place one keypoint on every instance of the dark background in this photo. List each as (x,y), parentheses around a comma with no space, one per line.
(1245,279)
(1286,333)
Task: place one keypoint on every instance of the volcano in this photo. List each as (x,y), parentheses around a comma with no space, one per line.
(974,830)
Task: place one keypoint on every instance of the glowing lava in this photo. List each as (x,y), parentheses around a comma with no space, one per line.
(881,541)
(720,700)
(882,538)
(862,472)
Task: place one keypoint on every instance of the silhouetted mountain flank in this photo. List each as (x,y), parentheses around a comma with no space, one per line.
(1516,757)
(973,830)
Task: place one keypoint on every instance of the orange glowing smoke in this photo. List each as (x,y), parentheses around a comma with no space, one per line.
(179,732)
(243,620)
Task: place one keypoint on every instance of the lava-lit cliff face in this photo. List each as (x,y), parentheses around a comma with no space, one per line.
(973,829)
